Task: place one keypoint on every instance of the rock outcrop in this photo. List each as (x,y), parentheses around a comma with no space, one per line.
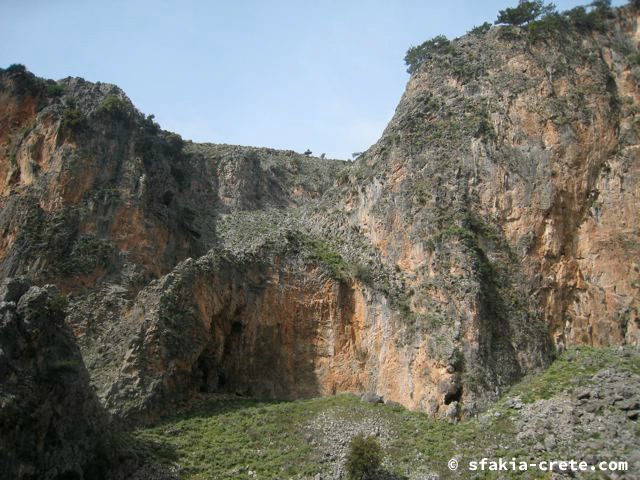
(52,425)
(496,216)
(504,193)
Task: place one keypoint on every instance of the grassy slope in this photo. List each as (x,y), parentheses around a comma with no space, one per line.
(226,438)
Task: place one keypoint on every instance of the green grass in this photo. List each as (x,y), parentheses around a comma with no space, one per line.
(223,438)
(226,437)
(572,370)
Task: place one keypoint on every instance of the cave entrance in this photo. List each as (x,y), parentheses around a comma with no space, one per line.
(455,395)
(208,378)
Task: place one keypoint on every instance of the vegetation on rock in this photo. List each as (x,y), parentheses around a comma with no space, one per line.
(526,12)
(227,437)
(416,56)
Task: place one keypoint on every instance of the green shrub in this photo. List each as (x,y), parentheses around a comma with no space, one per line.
(150,125)
(480,29)
(364,458)
(175,142)
(23,82)
(252,156)
(416,56)
(324,253)
(586,21)
(580,18)
(16,68)
(55,90)
(72,119)
(114,105)
(179,175)
(602,6)
(543,20)
(362,273)
(601,10)
(548,25)
(485,128)
(58,303)
(524,13)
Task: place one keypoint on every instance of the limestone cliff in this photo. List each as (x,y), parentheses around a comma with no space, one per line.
(525,149)
(496,215)
(503,194)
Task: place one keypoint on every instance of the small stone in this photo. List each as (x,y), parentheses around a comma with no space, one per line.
(633,414)
(393,404)
(371,397)
(591,407)
(550,442)
(514,403)
(584,394)
(453,411)
(629,405)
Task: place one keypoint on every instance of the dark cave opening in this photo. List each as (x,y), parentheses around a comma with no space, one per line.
(207,376)
(454,395)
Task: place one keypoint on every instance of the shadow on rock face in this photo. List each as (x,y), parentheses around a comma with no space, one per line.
(52,425)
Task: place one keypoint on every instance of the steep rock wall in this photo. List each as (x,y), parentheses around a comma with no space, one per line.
(274,326)
(523,154)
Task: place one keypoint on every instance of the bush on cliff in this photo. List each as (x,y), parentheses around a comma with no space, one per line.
(73,119)
(114,106)
(525,13)
(480,29)
(416,56)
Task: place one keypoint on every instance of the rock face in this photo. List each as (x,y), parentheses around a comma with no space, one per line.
(52,425)
(504,192)
(527,150)
(496,215)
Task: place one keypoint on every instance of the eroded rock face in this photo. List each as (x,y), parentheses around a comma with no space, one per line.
(273,326)
(487,195)
(52,425)
(94,192)
(535,145)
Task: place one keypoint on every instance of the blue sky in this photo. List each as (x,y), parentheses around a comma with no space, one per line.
(325,74)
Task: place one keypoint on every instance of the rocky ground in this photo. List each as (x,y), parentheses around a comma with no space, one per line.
(597,422)
(584,407)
